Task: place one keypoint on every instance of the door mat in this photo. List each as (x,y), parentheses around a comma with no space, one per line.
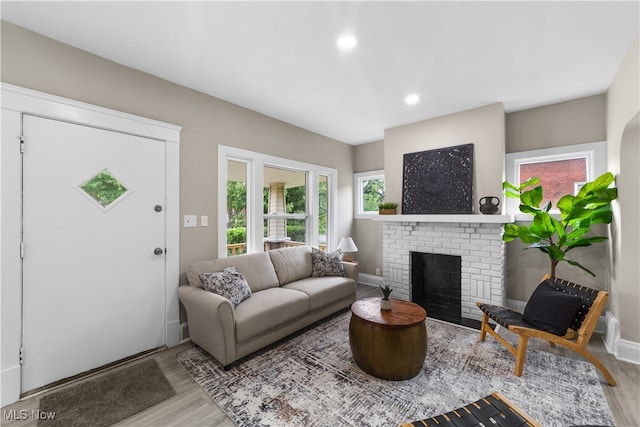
(106,399)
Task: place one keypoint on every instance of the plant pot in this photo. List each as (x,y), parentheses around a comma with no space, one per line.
(386,211)
(385,304)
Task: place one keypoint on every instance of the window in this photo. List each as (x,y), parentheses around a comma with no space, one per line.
(104,189)
(284,207)
(323,210)
(368,190)
(236,230)
(268,202)
(562,170)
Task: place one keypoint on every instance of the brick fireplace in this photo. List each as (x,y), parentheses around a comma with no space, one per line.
(475,238)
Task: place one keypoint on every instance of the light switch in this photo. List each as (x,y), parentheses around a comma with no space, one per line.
(191,220)
(204,220)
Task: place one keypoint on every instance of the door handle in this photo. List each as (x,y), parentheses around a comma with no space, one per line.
(158,251)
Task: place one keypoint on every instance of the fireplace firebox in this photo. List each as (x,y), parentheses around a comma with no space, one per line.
(436,285)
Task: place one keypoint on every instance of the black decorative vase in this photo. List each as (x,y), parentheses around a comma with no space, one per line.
(489,205)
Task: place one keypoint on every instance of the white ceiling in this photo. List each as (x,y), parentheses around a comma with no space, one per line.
(280,58)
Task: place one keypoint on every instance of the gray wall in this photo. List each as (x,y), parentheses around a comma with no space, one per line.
(623,105)
(36,62)
(566,123)
(484,127)
(366,233)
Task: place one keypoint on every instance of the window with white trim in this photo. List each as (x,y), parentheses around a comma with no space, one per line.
(562,170)
(266,202)
(368,190)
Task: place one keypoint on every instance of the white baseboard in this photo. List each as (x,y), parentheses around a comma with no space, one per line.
(628,351)
(625,350)
(612,334)
(370,279)
(10,386)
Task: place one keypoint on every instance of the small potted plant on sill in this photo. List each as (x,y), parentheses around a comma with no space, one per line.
(385,302)
(387,208)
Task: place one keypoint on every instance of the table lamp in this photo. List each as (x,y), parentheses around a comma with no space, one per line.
(348,248)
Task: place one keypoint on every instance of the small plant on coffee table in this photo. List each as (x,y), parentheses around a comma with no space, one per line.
(386,291)
(385,303)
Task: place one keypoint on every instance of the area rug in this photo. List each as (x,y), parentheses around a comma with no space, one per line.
(312,380)
(106,399)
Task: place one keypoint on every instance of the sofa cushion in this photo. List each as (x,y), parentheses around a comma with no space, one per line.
(228,283)
(292,263)
(323,291)
(268,309)
(256,269)
(326,264)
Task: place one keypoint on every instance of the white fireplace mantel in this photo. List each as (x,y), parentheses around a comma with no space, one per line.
(468,219)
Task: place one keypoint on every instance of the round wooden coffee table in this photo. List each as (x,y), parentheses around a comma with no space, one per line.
(388,344)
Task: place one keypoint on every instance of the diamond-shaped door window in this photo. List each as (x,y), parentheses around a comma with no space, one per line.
(104,188)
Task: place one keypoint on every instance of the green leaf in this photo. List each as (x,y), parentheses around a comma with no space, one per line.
(532,197)
(576,233)
(543,225)
(551,250)
(527,235)
(565,205)
(600,183)
(506,185)
(577,264)
(514,194)
(543,248)
(556,253)
(510,232)
(529,182)
(560,231)
(528,210)
(602,215)
(587,241)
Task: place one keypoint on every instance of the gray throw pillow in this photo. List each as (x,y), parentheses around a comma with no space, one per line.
(326,264)
(228,283)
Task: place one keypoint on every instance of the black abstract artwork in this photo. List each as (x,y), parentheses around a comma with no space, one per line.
(438,181)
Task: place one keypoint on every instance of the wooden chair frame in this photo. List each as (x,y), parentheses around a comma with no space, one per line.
(579,345)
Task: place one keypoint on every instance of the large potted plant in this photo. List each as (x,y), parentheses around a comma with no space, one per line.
(556,237)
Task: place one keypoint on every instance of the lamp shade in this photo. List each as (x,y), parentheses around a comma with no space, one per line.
(346,245)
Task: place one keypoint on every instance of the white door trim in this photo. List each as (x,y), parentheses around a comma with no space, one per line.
(20,100)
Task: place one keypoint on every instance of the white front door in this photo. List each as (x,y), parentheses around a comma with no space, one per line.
(94,242)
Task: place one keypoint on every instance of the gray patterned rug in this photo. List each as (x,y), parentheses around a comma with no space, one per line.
(312,380)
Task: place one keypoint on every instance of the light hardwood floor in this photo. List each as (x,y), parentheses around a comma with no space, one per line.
(191,406)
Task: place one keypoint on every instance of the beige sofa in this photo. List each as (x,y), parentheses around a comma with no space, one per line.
(285,298)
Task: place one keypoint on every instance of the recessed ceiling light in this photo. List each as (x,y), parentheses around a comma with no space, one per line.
(346,42)
(412,99)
